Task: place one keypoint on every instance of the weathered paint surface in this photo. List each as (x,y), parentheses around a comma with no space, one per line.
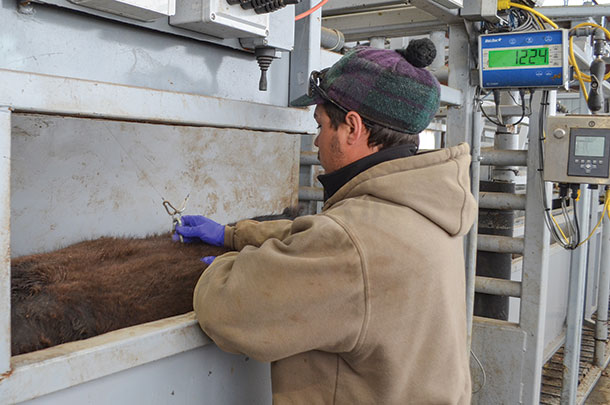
(132,366)
(76,179)
(502,362)
(5,225)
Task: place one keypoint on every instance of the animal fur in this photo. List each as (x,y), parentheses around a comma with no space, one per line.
(97,286)
(101,285)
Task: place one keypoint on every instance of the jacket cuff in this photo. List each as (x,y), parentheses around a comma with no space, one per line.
(229,232)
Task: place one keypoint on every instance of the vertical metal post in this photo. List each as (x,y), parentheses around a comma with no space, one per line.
(576,304)
(471,241)
(601,325)
(535,267)
(459,118)
(5,253)
(439,41)
(305,56)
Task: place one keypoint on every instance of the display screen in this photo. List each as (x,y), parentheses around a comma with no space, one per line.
(589,146)
(519,57)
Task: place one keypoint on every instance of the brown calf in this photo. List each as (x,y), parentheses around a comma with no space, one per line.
(97,286)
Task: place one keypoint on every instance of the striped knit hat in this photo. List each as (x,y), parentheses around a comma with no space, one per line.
(386,87)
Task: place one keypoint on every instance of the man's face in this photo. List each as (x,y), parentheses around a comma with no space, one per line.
(329,142)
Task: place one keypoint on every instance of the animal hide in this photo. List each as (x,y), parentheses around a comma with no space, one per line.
(97,286)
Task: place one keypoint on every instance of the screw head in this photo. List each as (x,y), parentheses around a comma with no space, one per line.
(591,123)
(559,133)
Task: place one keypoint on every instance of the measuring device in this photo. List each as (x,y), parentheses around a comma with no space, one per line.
(577,149)
(531,59)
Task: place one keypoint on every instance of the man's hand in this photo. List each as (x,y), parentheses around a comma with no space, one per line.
(199,228)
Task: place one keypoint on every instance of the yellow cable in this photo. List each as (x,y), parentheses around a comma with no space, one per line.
(565,238)
(531,10)
(577,72)
(585,76)
(606,210)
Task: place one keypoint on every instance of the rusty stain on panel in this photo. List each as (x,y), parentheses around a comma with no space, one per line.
(113,183)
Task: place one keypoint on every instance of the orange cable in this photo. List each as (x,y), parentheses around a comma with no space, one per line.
(311,10)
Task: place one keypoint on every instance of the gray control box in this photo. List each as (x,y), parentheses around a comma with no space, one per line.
(577,149)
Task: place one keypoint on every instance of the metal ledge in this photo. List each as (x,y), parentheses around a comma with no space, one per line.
(85,360)
(37,93)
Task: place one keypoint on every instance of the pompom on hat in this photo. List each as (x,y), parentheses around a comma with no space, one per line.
(386,87)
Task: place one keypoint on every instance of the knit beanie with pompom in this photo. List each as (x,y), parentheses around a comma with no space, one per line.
(386,87)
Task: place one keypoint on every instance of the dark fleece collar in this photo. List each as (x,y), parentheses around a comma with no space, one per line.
(332,182)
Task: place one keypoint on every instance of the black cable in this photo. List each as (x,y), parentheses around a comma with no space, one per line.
(575,244)
(522,94)
(479,101)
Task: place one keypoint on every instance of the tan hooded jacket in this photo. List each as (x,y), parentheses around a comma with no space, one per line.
(361,304)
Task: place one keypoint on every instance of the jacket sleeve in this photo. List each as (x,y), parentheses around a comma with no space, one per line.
(306,292)
(249,232)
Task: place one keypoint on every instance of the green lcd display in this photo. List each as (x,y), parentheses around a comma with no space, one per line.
(519,57)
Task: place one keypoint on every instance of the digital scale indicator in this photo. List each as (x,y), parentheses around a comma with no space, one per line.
(524,60)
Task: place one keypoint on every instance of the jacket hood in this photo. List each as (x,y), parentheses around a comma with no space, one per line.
(434,184)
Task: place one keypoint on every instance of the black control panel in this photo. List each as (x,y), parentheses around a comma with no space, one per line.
(589,152)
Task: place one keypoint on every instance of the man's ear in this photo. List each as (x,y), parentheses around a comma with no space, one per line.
(357,131)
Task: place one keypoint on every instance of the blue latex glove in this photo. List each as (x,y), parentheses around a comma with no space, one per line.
(208,259)
(199,228)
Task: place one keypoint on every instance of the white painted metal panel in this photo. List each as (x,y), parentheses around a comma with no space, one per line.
(50,370)
(203,376)
(144,10)
(76,179)
(5,224)
(29,92)
(502,361)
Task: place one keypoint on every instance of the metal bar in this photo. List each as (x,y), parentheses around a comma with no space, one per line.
(49,370)
(575,12)
(451,96)
(29,92)
(493,157)
(498,286)
(507,110)
(311,194)
(333,40)
(5,239)
(358,6)
(437,10)
(576,303)
(471,240)
(535,267)
(309,158)
(601,324)
(501,201)
(500,244)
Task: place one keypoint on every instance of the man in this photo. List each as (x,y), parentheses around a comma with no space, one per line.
(363,303)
